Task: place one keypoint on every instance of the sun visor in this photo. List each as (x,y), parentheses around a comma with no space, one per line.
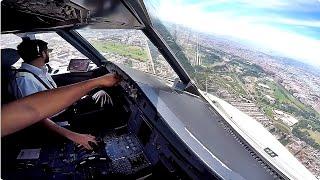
(23,16)
(110,14)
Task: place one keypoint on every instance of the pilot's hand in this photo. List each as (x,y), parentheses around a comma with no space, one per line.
(109,80)
(83,140)
(102,97)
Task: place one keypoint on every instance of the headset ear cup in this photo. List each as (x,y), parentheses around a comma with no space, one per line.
(38,50)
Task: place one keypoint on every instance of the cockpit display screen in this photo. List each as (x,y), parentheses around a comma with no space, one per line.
(79,65)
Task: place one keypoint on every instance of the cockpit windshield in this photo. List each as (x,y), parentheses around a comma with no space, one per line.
(261,57)
(130,48)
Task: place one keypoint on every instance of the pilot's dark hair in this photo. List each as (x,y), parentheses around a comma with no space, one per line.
(31,49)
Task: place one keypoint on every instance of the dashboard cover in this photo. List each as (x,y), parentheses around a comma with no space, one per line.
(200,127)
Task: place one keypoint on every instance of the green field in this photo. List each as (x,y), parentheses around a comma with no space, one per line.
(234,86)
(237,84)
(314,135)
(134,52)
(285,97)
(268,111)
(284,141)
(282,127)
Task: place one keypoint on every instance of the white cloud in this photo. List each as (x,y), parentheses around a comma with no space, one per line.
(309,23)
(280,20)
(301,5)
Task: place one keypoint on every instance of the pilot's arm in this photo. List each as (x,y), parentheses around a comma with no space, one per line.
(27,86)
(31,109)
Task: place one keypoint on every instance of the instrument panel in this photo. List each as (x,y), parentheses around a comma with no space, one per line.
(114,156)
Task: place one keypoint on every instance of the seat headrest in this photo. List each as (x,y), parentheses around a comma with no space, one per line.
(9,56)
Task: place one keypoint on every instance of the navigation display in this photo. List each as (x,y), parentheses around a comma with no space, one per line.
(79,65)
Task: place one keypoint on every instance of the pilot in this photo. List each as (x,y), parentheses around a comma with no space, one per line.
(26,111)
(32,77)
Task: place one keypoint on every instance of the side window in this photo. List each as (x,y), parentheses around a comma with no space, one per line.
(131,48)
(62,52)
(11,41)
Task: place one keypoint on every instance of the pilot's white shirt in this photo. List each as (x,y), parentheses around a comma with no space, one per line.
(25,83)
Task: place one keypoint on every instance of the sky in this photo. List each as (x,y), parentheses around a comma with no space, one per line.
(287,27)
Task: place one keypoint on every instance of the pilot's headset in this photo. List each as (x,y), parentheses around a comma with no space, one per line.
(36,50)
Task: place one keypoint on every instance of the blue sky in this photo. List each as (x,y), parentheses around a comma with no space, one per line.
(287,27)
